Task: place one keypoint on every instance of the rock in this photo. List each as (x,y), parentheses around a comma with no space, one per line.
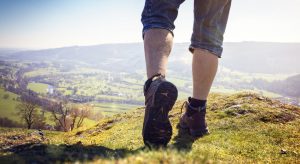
(260,98)
(15,138)
(79,133)
(283,151)
(237,106)
(41,133)
(79,143)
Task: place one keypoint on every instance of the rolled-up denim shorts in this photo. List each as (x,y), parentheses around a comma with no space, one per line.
(210,19)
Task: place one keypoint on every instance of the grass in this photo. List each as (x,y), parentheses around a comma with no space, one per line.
(65,91)
(8,105)
(8,108)
(245,128)
(41,71)
(38,87)
(109,109)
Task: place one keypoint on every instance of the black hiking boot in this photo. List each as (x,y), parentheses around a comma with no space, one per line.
(194,120)
(160,96)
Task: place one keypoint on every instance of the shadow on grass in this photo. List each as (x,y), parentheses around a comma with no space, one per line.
(183,140)
(43,153)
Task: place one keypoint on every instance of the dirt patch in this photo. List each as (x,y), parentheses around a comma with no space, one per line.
(282,117)
(237,110)
(100,127)
(12,140)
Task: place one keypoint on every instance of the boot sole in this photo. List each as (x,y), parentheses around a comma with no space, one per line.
(158,129)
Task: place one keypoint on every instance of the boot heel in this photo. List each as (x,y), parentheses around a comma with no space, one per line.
(198,133)
(183,125)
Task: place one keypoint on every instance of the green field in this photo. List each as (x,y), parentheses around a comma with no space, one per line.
(65,91)
(99,86)
(109,109)
(41,71)
(38,87)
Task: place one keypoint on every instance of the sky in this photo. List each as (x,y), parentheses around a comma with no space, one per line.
(40,24)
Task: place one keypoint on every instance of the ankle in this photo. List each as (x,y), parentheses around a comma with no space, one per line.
(196,103)
(150,80)
(195,106)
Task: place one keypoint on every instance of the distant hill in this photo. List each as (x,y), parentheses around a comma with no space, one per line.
(251,57)
(6,51)
(245,128)
(289,87)
(262,57)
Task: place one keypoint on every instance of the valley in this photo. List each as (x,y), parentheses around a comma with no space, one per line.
(111,81)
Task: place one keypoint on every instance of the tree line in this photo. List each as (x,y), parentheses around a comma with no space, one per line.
(67,116)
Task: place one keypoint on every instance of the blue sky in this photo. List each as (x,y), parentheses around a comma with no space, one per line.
(58,23)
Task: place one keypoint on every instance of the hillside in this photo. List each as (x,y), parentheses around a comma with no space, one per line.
(289,87)
(9,112)
(244,127)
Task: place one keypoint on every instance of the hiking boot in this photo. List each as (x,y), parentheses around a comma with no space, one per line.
(160,96)
(194,120)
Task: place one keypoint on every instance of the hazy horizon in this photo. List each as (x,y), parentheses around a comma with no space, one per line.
(99,44)
(62,23)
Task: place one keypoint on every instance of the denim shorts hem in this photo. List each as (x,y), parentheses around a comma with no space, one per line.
(157,26)
(215,51)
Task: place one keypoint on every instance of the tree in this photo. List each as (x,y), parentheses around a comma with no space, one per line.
(60,112)
(96,115)
(78,114)
(69,116)
(85,112)
(40,122)
(27,110)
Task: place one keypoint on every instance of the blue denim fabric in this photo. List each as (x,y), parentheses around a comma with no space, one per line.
(210,19)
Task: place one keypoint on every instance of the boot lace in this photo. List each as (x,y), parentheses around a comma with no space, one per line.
(183,105)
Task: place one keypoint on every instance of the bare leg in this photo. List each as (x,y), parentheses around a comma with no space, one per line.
(160,95)
(205,65)
(157,44)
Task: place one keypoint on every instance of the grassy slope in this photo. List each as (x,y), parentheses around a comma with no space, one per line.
(244,128)
(8,109)
(7,106)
